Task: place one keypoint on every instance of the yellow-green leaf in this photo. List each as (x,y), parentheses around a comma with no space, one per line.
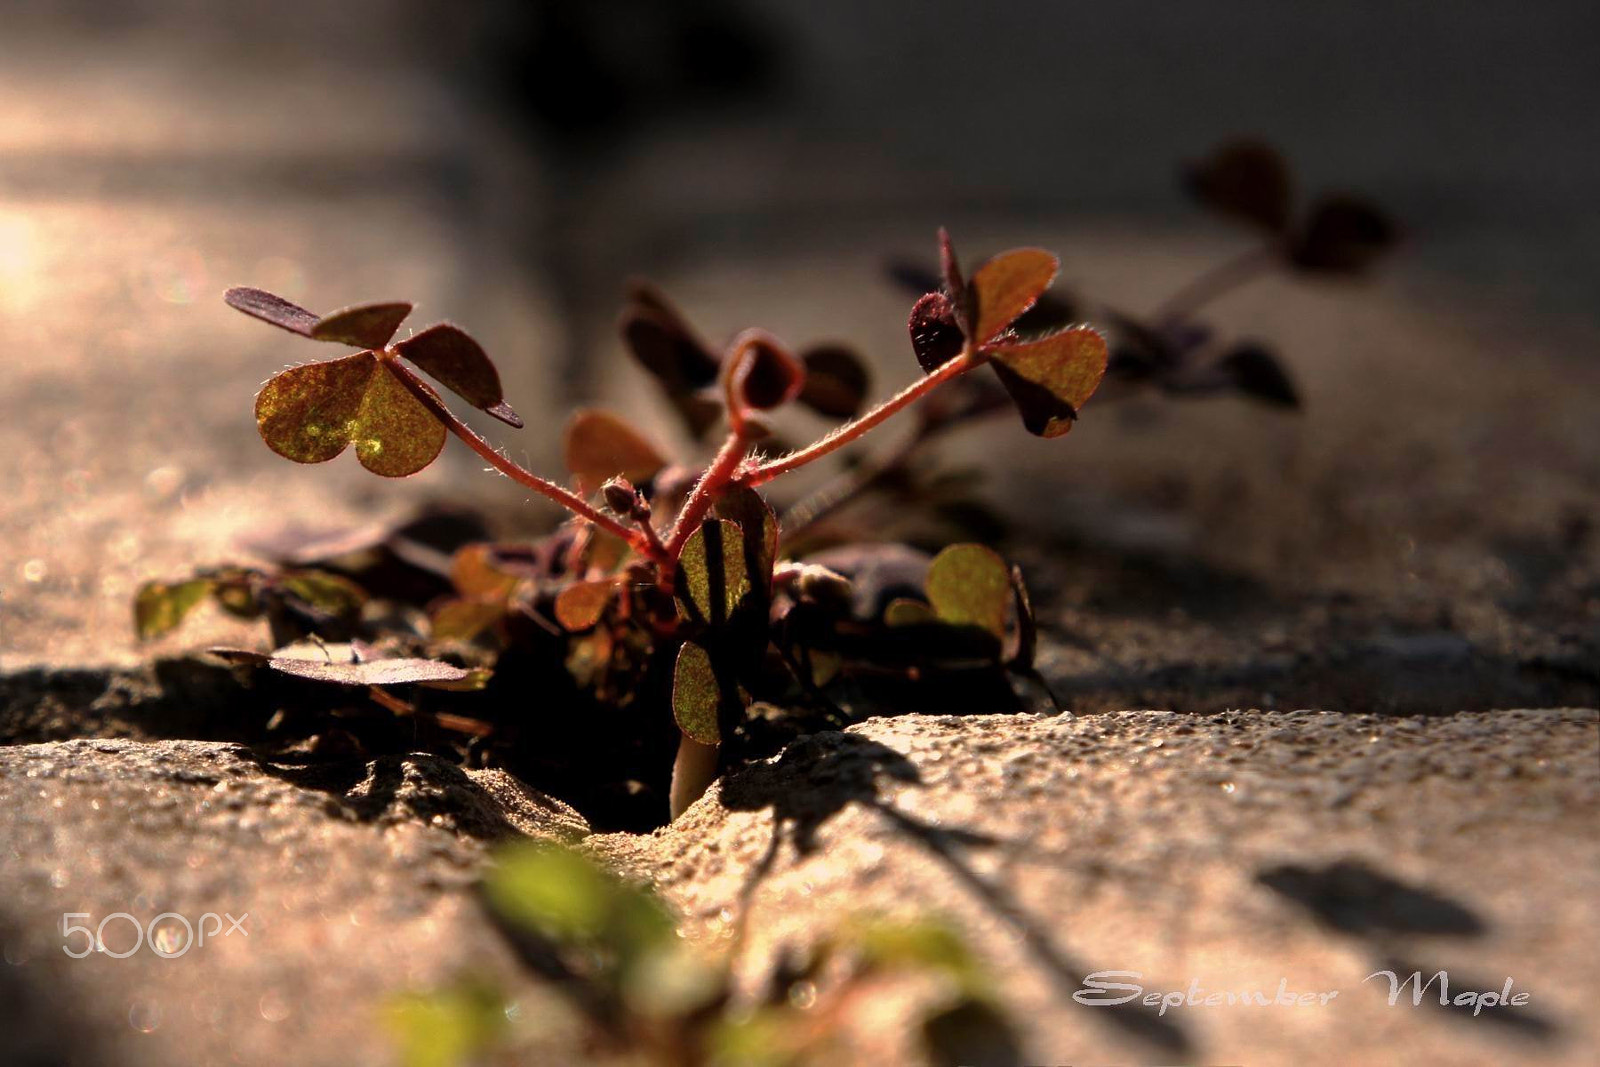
(1052,378)
(696,695)
(712,575)
(159,607)
(308,413)
(1005,287)
(394,434)
(580,605)
(969,585)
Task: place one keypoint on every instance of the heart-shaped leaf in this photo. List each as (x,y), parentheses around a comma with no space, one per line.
(712,575)
(364,326)
(269,307)
(836,381)
(936,337)
(312,413)
(696,695)
(1345,235)
(1052,378)
(969,585)
(580,605)
(600,446)
(456,361)
(1245,180)
(1005,287)
(159,607)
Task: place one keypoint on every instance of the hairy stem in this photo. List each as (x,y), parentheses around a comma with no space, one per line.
(705,492)
(850,431)
(565,497)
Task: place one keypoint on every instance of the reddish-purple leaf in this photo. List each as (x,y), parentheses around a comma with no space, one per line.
(364,326)
(1256,372)
(836,381)
(1006,286)
(935,336)
(659,338)
(1050,379)
(600,446)
(269,307)
(761,373)
(1245,180)
(450,355)
(1345,235)
(955,287)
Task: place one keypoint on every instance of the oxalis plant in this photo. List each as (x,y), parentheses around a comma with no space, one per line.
(689,567)
(677,625)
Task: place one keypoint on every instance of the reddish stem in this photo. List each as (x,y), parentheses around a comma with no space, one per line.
(850,431)
(565,497)
(705,492)
(1229,274)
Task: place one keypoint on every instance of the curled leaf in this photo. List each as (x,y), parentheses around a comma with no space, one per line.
(936,337)
(712,575)
(836,381)
(159,607)
(761,374)
(1052,378)
(1345,235)
(1005,287)
(696,695)
(599,446)
(269,307)
(364,326)
(452,358)
(580,605)
(1257,372)
(1247,180)
(969,585)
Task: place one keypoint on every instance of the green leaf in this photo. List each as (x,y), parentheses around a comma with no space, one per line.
(563,895)
(330,594)
(580,605)
(712,575)
(457,362)
(1005,287)
(448,1028)
(969,585)
(904,611)
(159,607)
(918,944)
(464,618)
(599,446)
(1052,378)
(696,695)
(364,326)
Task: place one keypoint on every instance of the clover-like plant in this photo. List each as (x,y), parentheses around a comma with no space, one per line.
(665,568)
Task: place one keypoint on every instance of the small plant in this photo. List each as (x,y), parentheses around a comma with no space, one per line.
(645,995)
(677,624)
(659,565)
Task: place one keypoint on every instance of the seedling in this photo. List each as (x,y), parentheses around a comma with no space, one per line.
(657,564)
(675,621)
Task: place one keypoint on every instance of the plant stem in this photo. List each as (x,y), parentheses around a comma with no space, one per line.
(850,431)
(1229,274)
(565,497)
(707,489)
